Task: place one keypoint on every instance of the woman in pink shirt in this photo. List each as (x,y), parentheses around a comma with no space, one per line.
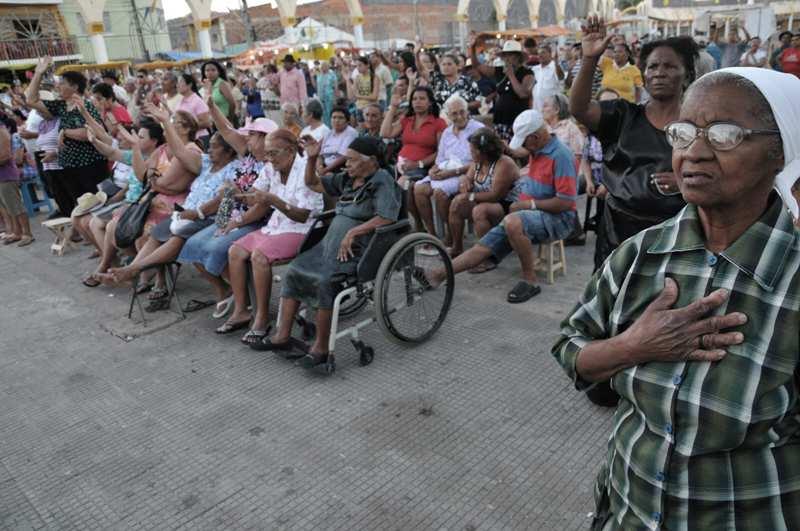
(194,105)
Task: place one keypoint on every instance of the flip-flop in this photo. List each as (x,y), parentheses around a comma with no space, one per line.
(254,336)
(95,254)
(196,305)
(9,241)
(223,308)
(523,292)
(144,288)
(485,267)
(266,345)
(311,360)
(91,281)
(157,294)
(25,241)
(227,328)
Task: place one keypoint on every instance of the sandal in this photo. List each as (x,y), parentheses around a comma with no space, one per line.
(25,241)
(95,254)
(11,239)
(311,360)
(196,305)
(158,305)
(523,292)
(91,281)
(419,275)
(144,287)
(227,328)
(266,345)
(156,294)
(485,267)
(223,308)
(254,336)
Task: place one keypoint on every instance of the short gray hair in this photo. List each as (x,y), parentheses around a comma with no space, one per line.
(291,108)
(455,99)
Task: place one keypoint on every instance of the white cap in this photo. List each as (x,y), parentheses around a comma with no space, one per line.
(527,123)
(512,46)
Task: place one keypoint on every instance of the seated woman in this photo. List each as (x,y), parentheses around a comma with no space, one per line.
(112,113)
(695,322)
(485,193)
(197,211)
(335,143)
(208,249)
(148,141)
(314,125)
(555,111)
(453,159)
(282,189)
(420,130)
(368,198)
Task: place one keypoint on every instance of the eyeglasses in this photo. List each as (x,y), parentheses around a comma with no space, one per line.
(721,136)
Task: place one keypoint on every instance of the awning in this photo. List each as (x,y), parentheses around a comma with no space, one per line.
(113,65)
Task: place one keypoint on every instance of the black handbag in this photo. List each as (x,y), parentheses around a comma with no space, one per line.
(131,223)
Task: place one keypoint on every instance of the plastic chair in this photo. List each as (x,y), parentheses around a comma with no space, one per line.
(31,199)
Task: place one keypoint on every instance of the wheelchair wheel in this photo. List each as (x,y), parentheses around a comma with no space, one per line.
(406,307)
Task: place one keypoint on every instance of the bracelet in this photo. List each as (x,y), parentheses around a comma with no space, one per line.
(533,204)
(472,197)
(200,214)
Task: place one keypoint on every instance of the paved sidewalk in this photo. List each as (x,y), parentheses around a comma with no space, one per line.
(109,425)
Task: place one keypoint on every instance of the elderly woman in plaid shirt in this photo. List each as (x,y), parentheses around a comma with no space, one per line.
(695,322)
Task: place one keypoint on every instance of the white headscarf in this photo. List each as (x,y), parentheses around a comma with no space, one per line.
(782,92)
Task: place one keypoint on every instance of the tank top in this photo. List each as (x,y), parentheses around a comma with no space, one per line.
(486,184)
(219,99)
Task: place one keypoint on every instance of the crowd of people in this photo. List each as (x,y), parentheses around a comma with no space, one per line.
(227,171)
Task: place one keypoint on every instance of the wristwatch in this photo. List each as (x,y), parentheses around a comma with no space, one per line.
(200,214)
(421,165)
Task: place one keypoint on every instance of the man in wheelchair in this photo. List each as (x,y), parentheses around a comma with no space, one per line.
(368,198)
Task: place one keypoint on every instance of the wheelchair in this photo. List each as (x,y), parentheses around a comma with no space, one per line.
(389,277)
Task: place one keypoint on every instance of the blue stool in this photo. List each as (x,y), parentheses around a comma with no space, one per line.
(31,199)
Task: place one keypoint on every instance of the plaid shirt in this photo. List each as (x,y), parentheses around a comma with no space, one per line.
(700,445)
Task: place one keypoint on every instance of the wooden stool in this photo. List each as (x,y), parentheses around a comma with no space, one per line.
(552,263)
(61,228)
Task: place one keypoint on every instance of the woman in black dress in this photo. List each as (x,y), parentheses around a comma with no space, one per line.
(641,187)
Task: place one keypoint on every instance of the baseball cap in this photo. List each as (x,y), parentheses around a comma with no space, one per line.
(512,47)
(259,125)
(527,123)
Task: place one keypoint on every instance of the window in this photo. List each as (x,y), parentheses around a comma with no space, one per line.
(27,29)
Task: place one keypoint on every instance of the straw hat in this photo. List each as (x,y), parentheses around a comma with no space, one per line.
(89,202)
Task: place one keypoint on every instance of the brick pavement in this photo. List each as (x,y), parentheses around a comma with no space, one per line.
(178,428)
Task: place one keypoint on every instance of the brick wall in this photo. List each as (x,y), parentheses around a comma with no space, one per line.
(436,22)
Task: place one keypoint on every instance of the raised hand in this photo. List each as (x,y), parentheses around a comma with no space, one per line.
(310,146)
(131,138)
(155,112)
(595,39)
(43,64)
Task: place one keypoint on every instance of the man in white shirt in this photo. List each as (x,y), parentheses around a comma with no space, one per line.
(754,56)
(548,77)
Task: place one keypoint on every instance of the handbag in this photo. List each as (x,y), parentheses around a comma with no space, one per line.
(131,223)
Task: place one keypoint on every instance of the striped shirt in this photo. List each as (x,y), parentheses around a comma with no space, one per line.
(701,445)
(551,173)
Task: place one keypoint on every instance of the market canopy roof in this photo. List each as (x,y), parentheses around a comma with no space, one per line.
(545,32)
(113,65)
(164,65)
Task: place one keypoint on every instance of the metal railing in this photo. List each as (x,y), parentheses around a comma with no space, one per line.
(33,48)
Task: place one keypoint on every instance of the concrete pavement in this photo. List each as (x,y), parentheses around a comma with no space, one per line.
(106,424)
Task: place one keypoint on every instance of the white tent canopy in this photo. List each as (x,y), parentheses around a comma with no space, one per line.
(311,32)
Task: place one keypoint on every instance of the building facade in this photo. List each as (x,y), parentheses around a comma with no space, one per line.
(33,29)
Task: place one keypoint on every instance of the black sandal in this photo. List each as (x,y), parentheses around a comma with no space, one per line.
(196,305)
(157,305)
(254,336)
(91,281)
(310,360)
(156,294)
(285,348)
(523,292)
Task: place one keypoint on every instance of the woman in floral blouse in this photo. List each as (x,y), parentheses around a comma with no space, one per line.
(449,81)
(281,188)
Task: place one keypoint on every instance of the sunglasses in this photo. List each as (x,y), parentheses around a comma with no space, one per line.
(721,136)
